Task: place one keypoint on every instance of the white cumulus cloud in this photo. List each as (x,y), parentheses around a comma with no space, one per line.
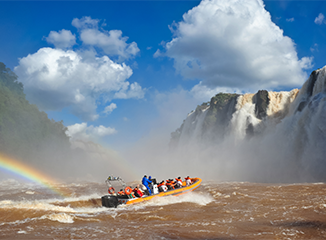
(88,133)
(55,78)
(62,39)
(85,22)
(133,90)
(111,42)
(320,19)
(234,45)
(203,93)
(110,108)
(80,79)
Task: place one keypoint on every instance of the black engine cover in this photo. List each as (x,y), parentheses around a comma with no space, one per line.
(110,201)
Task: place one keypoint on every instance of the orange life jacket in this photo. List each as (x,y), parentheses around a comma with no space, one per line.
(170,184)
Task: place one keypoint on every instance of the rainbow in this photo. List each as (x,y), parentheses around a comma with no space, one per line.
(31,174)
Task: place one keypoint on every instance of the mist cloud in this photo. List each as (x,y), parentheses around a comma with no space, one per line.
(234,45)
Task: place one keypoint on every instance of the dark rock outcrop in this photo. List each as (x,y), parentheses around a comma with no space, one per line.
(261,100)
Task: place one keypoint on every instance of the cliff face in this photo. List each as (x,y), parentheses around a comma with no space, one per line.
(243,115)
(25,132)
(285,131)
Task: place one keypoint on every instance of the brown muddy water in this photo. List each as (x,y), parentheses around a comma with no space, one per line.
(228,210)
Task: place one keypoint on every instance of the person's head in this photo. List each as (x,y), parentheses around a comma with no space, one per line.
(145,176)
(179,177)
(150,177)
(120,189)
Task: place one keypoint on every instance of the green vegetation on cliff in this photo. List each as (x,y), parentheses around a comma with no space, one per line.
(26,132)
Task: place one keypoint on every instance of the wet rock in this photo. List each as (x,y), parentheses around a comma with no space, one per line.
(261,100)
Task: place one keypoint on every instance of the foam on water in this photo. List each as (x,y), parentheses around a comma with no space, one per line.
(36,205)
(50,205)
(60,217)
(197,198)
(30,192)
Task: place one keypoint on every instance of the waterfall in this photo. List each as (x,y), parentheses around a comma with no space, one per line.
(266,136)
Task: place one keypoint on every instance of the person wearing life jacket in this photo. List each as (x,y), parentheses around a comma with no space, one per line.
(188,181)
(162,187)
(159,187)
(146,183)
(174,183)
(170,184)
(121,192)
(178,182)
(137,192)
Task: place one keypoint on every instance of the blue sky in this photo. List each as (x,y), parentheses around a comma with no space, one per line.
(116,72)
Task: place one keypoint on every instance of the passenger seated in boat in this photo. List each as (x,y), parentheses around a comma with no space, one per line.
(178,182)
(143,189)
(121,192)
(170,184)
(188,181)
(175,184)
(137,192)
(162,187)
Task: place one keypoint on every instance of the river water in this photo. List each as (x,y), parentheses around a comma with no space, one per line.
(216,210)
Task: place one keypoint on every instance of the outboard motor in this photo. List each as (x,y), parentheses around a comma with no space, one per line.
(110,201)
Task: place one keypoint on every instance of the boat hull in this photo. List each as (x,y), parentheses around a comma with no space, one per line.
(114,201)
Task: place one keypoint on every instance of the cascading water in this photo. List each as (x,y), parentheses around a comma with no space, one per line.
(267,136)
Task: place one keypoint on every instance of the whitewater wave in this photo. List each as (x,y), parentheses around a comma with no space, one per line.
(201,199)
(54,205)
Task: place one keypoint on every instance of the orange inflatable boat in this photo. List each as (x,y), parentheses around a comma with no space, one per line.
(113,199)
